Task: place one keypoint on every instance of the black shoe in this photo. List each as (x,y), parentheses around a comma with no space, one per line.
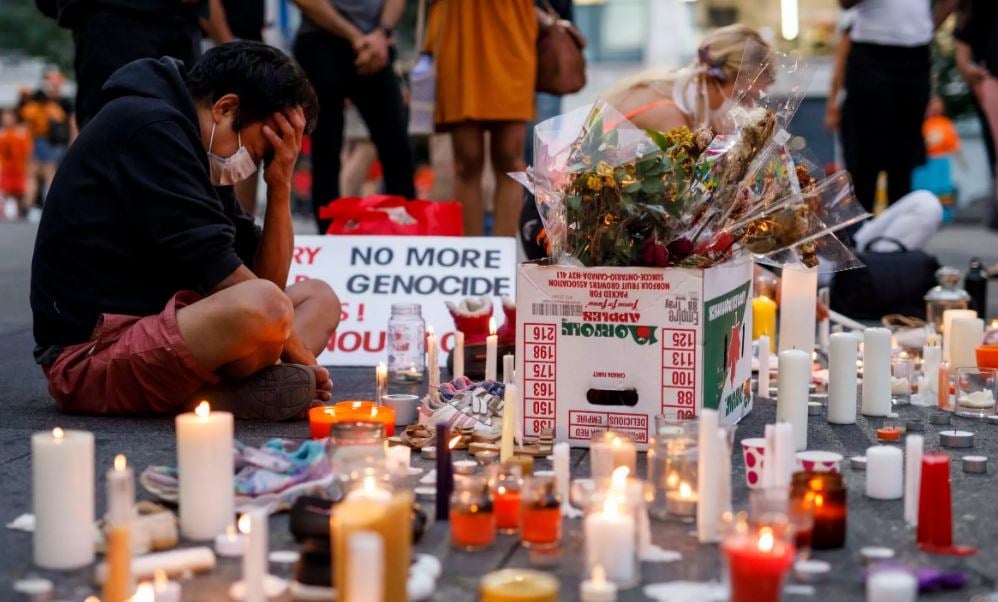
(279,392)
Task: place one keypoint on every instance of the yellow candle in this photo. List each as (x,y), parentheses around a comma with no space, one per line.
(764,320)
(519,585)
(392,519)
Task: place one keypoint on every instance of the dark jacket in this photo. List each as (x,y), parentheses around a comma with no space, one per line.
(132,217)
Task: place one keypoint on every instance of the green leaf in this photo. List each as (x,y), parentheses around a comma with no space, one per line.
(632,187)
(658,138)
(652,185)
(574,203)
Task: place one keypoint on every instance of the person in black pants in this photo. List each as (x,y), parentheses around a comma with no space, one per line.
(345,47)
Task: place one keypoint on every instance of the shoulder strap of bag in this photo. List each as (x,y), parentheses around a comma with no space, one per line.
(900,245)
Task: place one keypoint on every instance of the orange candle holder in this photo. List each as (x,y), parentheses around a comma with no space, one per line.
(987,356)
(824,495)
(505,484)
(472,515)
(322,418)
(541,522)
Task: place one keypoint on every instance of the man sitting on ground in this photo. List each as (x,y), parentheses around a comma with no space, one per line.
(150,287)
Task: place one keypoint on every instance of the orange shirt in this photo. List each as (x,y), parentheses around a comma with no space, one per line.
(940,136)
(15,150)
(38,115)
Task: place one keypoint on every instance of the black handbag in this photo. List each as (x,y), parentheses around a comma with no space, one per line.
(890,283)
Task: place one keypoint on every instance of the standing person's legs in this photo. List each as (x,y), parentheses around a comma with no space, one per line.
(467,140)
(863,119)
(379,101)
(910,88)
(506,145)
(329,66)
(988,96)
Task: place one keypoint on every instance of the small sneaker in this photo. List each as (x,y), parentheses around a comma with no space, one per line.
(279,392)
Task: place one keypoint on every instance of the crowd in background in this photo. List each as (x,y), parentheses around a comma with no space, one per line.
(484,62)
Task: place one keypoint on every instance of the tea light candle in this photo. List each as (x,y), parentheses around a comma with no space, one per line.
(230,544)
(487,457)
(948,316)
(597,588)
(791,404)
(465,467)
(762,388)
(62,491)
(956,439)
(798,302)
(884,473)
(491,351)
(975,464)
(165,589)
(682,502)
(842,378)
(458,354)
(872,554)
(405,407)
(891,585)
(380,382)
(119,584)
(518,585)
(610,542)
(913,446)
(889,433)
(857,462)
(205,472)
(764,320)
(966,335)
(814,408)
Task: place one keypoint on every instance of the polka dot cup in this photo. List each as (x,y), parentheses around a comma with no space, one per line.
(819,461)
(753,451)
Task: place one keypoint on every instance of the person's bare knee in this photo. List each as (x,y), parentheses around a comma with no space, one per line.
(317,312)
(265,310)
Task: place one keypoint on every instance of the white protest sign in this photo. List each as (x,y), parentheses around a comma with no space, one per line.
(369,273)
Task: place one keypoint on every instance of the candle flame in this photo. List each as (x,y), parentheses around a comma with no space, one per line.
(903,355)
(91,599)
(766,539)
(144,593)
(202,410)
(685,490)
(58,433)
(819,500)
(994,323)
(230,532)
(672,480)
(615,441)
(369,485)
(245,524)
(619,477)
(501,490)
(610,506)
(429,330)
(816,484)
(120,462)
(160,579)
(599,576)
(492,326)
(454,441)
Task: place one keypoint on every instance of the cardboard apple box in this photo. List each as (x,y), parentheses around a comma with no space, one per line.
(611,348)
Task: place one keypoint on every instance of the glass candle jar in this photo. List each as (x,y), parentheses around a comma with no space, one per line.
(976,389)
(406,343)
(902,378)
(609,450)
(355,449)
(672,472)
(472,514)
(505,483)
(541,513)
(518,585)
(758,555)
(824,495)
(947,295)
(774,504)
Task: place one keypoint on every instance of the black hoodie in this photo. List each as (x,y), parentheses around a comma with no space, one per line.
(132,217)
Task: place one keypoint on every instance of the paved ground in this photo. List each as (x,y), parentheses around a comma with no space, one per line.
(25,407)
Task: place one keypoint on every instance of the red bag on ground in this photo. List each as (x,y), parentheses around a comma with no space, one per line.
(393,215)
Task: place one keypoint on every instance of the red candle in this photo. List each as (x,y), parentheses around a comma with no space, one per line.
(935,508)
(472,530)
(541,526)
(507,506)
(987,356)
(757,562)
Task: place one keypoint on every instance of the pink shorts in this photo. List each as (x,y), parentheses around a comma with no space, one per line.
(130,365)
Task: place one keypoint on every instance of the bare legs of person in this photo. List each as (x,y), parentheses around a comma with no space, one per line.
(468,140)
(506,146)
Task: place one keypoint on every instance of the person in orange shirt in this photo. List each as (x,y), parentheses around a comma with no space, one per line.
(15,159)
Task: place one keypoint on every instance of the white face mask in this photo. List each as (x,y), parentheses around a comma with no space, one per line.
(226,171)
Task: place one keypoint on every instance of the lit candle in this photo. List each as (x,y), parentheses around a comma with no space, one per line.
(508,423)
(682,502)
(798,300)
(380,382)
(205,472)
(507,508)
(491,351)
(793,383)
(321,420)
(119,584)
(518,585)
(843,381)
(231,543)
(433,362)
(62,488)
(884,473)
(824,496)
(913,446)
(370,491)
(610,542)
(597,588)
(392,520)
(165,589)
(948,316)
(891,585)
(507,368)
(932,355)
(365,567)
(541,518)
(758,559)
(253,526)
(966,335)
(609,451)
(764,320)
(458,354)
(876,372)
(762,390)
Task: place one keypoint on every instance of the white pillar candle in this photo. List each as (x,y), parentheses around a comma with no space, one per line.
(380,382)
(610,542)
(491,351)
(966,335)
(884,473)
(508,423)
(793,383)
(561,459)
(913,445)
(433,362)
(62,488)
(824,331)
(458,354)
(842,380)
(365,578)
(610,451)
(948,316)
(762,389)
(876,372)
(932,355)
(507,368)
(713,481)
(205,472)
(798,299)
(174,562)
(891,585)
(253,525)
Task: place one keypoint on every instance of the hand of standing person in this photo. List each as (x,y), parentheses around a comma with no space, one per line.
(372,52)
(832,115)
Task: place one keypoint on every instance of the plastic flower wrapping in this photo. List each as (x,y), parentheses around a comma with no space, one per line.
(611,194)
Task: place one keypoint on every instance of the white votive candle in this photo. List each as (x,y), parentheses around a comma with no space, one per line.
(230,544)
(798,300)
(966,335)
(62,491)
(948,316)
(205,472)
(842,379)
(610,451)
(794,378)
(610,540)
(876,372)
(491,351)
(884,473)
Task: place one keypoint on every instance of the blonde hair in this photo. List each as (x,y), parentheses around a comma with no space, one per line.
(720,56)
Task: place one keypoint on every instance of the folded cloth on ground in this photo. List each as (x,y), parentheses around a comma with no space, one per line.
(272,476)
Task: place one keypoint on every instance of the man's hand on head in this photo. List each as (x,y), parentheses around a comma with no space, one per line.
(286,141)
(372,52)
